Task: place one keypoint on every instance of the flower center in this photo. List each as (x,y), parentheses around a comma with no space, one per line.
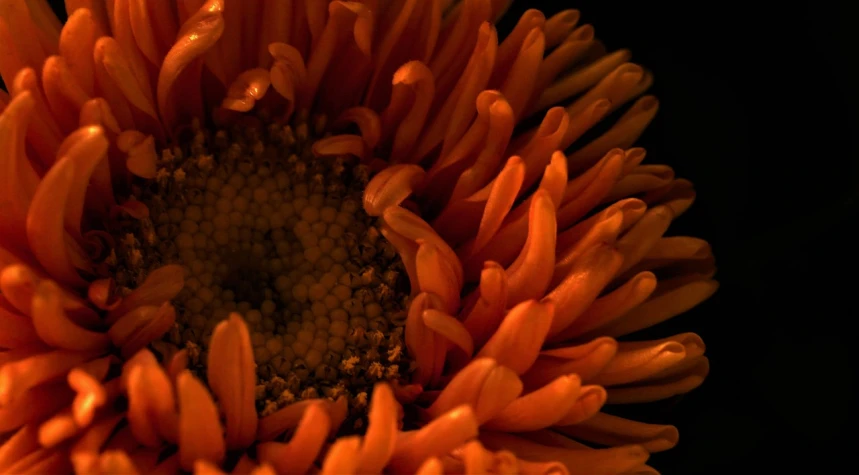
(265,229)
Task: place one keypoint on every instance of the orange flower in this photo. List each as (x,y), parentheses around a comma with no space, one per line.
(307,236)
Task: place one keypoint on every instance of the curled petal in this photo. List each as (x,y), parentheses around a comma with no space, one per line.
(50,242)
(151,409)
(582,285)
(161,285)
(368,123)
(410,226)
(539,409)
(200,431)
(298,455)
(605,429)
(664,388)
(666,302)
(489,304)
(196,36)
(342,456)
(611,306)
(102,294)
(140,149)
(18,180)
(431,466)
(390,187)
(411,99)
(623,134)
(436,274)
(64,97)
(530,274)
(450,328)
(91,395)
(484,385)
(641,361)
(434,439)
(380,439)
(17,377)
(248,88)
(288,73)
(589,401)
(586,360)
(141,326)
(54,326)
(232,377)
(287,418)
(77,41)
(577,461)
(341,145)
(518,340)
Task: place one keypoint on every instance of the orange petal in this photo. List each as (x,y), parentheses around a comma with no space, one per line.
(411,99)
(161,285)
(518,340)
(583,79)
(151,406)
(664,388)
(18,180)
(64,97)
(589,401)
(484,385)
(16,330)
(20,444)
(530,274)
(611,306)
(436,274)
(19,376)
(91,395)
(54,326)
(299,454)
(77,41)
(380,439)
(434,439)
(248,88)
(200,431)
(232,377)
(288,73)
(196,36)
(577,461)
(48,238)
(141,326)
(489,304)
(431,466)
(519,81)
(622,134)
(605,429)
(457,110)
(390,187)
(585,281)
(586,360)
(342,456)
(539,409)
(36,404)
(661,306)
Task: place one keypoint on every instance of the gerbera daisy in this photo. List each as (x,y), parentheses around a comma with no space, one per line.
(301,235)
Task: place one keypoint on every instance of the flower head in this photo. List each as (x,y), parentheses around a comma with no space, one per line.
(308,236)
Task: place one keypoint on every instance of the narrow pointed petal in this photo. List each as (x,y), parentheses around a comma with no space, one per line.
(539,409)
(380,439)
(152,406)
(141,326)
(200,431)
(606,429)
(232,377)
(530,274)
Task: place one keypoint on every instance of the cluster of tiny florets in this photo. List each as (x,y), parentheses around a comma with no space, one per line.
(265,229)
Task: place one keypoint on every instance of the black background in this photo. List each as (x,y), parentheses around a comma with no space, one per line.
(759,108)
